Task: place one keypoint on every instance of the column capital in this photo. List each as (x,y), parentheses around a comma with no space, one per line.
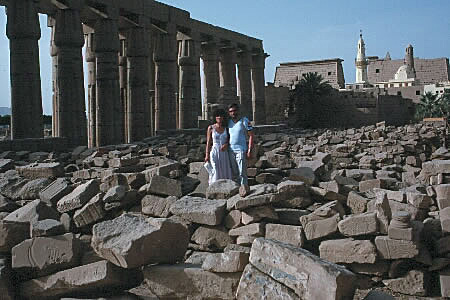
(23,20)
(137,42)
(106,37)
(68,29)
(164,48)
(187,53)
(90,54)
(244,58)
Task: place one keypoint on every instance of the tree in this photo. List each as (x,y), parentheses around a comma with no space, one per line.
(309,90)
(432,106)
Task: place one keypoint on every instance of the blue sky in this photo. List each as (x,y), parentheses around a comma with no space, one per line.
(296,30)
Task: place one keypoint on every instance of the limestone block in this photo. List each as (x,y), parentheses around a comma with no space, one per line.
(47,227)
(311,278)
(321,228)
(444,216)
(256,214)
(91,278)
(255,229)
(293,194)
(228,262)
(6,164)
(92,212)
(12,233)
(134,180)
(444,280)
(156,206)
(305,175)
(211,237)
(7,206)
(185,281)
(200,210)
(383,211)
(419,200)
(31,189)
(233,219)
(323,194)
(195,167)
(443,195)
(316,166)
(257,285)
(286,233)
(41,170)
(222,189)
(78,197)
(261,194)
(112,180)
(348,251)
(280,161)
(379,268)
(414,283)
(290,216)
(197,258)
(55,191)
(160,185)
(131,241)
(369,185)
(358,174)
(34,211)
(361,224)
(416,213)
(42,256)
(246,240)
(267,177)
(395,249)
(115,194)
(122,162)
(406,234)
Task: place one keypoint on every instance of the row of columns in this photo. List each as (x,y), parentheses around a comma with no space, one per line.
(138,82)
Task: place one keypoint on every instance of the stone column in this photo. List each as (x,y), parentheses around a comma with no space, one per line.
(210,57)
(53,54)
(109,113)
(24,32)
(188,111)
(92,101)
(228,82)
(138,108)
(258,88)
(71,109)
(165,57)
(123,82)
(245,83)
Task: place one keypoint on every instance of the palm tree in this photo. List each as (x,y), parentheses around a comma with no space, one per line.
(310,89)
(429,106)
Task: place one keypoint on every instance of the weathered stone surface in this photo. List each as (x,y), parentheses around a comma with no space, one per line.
(444,280)
(443,195)
(160,185)
(419,200)
(286,233)
(359,224)
(6,164)
(305,175)
(7,206)
(55,191)
(444,216)
(379,268)
(321,228)
(39,170)
(32,212)
(257,285)
(256,214)
(156,206)
(92,212)
(395,249)
(12,233)
(261,194)
(97,277)
(233,219)
(42,256)
(255,229)
(7,290)
(47,227)
(130,241)
(211,237)
(306,274)
(414,283)
(222,189)
(383,211)
(290,216)
(293,194)
(31,189)
(185,281)
(115,194)
(357,203)
(200,210)
(348,251)
(78,197)
(228,262)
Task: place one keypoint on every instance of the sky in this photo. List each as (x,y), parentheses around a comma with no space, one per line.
(297,30)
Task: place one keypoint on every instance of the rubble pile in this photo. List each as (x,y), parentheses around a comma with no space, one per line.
(331,214)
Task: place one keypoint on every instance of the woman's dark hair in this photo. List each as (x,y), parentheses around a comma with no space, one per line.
(221,113)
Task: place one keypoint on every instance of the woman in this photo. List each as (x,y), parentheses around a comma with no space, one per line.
(217,140)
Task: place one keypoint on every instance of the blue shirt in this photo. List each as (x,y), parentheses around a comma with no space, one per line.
(238,134)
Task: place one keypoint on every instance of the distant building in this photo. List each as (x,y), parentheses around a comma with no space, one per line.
(437,88)
(289,74)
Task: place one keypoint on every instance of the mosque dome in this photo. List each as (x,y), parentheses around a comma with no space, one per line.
(404,72)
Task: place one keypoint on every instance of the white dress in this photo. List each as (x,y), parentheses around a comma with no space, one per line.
(220,160)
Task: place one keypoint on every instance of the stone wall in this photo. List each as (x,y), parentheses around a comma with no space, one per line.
(288,74)
(277,102)
(427,70)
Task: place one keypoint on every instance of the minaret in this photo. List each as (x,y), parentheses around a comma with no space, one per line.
(361,62)
(409,58)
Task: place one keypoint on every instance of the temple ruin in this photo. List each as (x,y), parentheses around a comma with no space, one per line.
(143,61)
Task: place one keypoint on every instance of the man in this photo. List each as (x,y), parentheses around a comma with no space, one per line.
(239,128)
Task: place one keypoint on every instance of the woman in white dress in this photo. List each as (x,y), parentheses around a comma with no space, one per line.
(217,140)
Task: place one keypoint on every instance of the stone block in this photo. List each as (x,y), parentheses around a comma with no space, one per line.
(12,233)
(348,251)
(93,278)
(47,227)
(369,185)
(7,289)
(286,233)
(442,245)
(115,194)
(160,185)
(31,189)
(34,211)
(131,241)
(92,212)
(6,164)
(156,206)
(422,201)
(443,195)
(321,228)
(185,281)
(312,277)
(444,280)
(379,268)
(211,237)
(256,285)
(416,213)
(7,206)
(360,224)
(233,219)
(55,191)
(444,216)
(290,216)
(395,249)
(228,262)
(261,194)
(222,189)
(255,229)
(41,170)
(42,256)
(200,210)
(78,197)
(256,214)
(122,162)
(414,283)
(305,175)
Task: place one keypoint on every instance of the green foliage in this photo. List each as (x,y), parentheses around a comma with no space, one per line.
(433,106)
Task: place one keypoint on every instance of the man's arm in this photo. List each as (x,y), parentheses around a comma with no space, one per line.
(251,141)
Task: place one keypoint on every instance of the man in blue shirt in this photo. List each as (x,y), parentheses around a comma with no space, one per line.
(239,128)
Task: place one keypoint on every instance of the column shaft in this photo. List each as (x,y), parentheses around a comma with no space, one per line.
(24,32)
(210,57)
(109,113)
(123,82)
(245,83)
(258,88)
(53,54)
(187,95)
(228,82)
(71,109)
(92,103)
